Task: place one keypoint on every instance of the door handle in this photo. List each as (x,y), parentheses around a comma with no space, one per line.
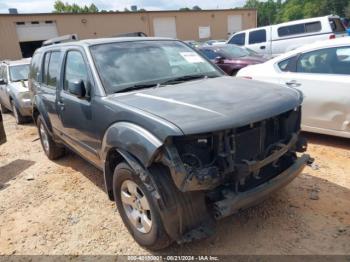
(61,105)
(262,47)
(293,83)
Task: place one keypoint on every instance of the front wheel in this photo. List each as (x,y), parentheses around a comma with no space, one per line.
(18,116)
(51,148)
(137,208)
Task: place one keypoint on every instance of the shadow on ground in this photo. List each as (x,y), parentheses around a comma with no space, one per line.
(13,169)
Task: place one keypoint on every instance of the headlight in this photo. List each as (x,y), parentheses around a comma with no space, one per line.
(24,97)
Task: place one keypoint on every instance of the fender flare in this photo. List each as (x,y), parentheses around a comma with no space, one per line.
(133,139)
(137,146)
(39,106)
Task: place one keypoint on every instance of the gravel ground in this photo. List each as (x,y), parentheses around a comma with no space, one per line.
(61,207)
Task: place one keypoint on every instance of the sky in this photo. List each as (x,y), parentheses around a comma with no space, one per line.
(42,6)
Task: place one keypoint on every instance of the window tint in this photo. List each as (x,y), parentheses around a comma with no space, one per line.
(46,66)
(291,30)
(258,36)
(53,70)
(336,25)
(326,61)
(34,66)
(313,27)
(238,39)
(284,65)
(210,54)
(75,68)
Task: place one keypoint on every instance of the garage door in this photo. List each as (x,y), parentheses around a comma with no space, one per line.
(164,27)
(36,31)
(234,24)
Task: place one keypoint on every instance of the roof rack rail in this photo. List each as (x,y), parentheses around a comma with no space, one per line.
(61,39)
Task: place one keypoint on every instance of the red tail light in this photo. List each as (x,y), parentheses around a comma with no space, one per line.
(332,37)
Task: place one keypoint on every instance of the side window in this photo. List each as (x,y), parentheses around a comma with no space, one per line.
(1,72)
(313,27)
(5,74)
(284,65)
(53,70)
(34,67)
(317,62)
(291,30)
(75,68)
(210,54)
(46,66)
(258,36)
(238,39)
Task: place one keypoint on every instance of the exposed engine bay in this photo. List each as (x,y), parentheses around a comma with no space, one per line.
(243,157)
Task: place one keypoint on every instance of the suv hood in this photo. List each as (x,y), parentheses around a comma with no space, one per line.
(20,86)
(213,104)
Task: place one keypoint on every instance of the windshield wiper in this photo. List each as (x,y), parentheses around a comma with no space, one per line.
(136,87)
(183,79)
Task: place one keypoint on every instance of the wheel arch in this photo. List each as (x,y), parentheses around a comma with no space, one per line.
(124,141)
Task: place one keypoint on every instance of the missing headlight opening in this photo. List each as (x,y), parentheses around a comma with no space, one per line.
(237,159)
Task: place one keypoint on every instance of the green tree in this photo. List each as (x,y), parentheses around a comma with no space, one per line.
(196,7)
(61,7)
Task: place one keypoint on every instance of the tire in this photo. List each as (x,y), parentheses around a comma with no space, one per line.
(234,73)
(51,148)
(152,236)
(18,116)
(3,109)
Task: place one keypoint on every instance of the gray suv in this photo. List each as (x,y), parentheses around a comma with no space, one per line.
(180,144)
(14,93)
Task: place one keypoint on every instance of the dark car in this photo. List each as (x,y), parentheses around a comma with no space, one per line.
(231,58)
(180,144)
(2,131)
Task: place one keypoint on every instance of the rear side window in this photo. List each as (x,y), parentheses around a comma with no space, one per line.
(258,36)
(34,67)
(291,30)
(238,39)
(53,70)
(284,65)
(313,27)
(46,66)
(336,25)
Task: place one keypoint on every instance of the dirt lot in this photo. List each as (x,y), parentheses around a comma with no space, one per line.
(61,208)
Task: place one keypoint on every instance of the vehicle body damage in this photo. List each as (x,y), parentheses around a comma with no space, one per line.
(177,153)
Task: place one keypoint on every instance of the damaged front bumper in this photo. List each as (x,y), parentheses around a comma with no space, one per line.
(233,202)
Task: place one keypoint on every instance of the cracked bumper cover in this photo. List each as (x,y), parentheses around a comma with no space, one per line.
(235,202)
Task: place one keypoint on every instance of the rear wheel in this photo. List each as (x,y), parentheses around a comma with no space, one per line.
(51,148)
(138,209)
(18,116)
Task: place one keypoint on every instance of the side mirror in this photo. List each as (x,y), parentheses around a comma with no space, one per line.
(2,81)
(77,88)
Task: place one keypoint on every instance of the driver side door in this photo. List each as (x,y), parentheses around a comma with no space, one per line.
(76,114)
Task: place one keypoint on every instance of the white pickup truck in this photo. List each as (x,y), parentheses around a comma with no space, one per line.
(277,39)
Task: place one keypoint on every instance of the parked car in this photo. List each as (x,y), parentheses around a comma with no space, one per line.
(14,93)
(2,131)
(215,42)
(231,58)
(278,39)
(322,72)
(180,144)
(193,43)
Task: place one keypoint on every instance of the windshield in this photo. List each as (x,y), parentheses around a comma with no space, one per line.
(122,65)
(231,51)
(19,72)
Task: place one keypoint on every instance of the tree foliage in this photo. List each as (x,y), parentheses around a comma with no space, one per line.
(276,11)
(61,7)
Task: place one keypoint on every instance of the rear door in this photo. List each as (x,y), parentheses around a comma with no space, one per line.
(77,121)
(258,41)
(324,78)
(50,75)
